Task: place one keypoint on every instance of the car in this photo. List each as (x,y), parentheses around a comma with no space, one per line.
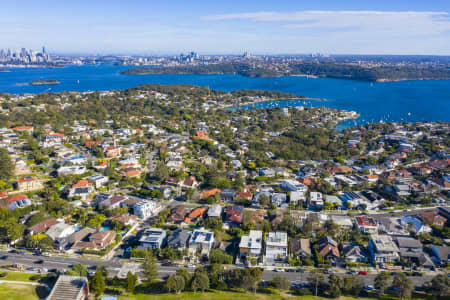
(300,270)
(4,257)
(329,271)
(31,268)
(40,261)
(278,270)
(53,270)
(46,254)
(91,273)
(290,270)
(369,288)
(22,252)
(363,273)
(417,274)
(13,251)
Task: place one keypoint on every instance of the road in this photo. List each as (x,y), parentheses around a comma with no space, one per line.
(115,265)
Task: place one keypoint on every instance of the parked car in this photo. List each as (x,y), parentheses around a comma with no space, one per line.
(363,273)
(278,270)
(300,270)
(369,288)
(40,261)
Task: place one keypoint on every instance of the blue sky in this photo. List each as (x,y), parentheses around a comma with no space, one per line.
(224,27)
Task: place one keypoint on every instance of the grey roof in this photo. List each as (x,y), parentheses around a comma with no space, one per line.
(179,238)
(407,242)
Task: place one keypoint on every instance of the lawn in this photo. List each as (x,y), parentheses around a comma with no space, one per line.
(11,291)
(17,276)
(222,295)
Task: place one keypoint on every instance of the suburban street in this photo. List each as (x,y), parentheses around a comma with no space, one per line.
(114,266)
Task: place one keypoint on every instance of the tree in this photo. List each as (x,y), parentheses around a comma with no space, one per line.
(46,244)
(161,171)
(175,283)
(335,285)
(186,275)
(6,166)
(382,281)
(440,285)
(281,282)
(200,282)
(77,270)
(264,200)
(404,285)
(217,256)
(131,282)
(150,267)
(98,283)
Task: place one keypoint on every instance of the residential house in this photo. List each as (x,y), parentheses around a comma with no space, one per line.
(251,244)
(153,238)
(98,241)
(293,186)
(80,235)
(299,247)
(433,218)
(17,201)
(215,211)
(383,249)
(441,254)
(179,239)
(42,226)
(366,224)
(177,214)
(414,224)
(190,182)
(125,219)
(354,253)
(201,241)
(233,215)
(328,248)
(227,195)
(315,200)
(144,209)
(342,221)
(276,246)
(28,183)
(197,214)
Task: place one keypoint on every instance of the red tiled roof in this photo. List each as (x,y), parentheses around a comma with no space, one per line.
(15,198)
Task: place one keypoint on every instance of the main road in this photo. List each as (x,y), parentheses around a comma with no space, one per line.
(114,266)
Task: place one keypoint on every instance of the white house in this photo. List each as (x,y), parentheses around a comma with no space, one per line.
(144,209)
(251,244)
(201,240)
(276,246)
(293,186)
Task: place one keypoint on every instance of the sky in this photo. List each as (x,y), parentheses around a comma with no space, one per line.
(151,27)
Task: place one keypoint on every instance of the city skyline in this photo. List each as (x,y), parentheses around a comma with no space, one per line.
(263,27)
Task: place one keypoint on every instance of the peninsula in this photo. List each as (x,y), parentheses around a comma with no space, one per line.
(313,69)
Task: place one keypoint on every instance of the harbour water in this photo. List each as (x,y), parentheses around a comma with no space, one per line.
(375,102)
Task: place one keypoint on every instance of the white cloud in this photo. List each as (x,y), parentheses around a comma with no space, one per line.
(405,22)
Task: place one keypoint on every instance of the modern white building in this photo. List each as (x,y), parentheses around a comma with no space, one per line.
(293,186)
(251,244)
(153,238)
(72,170)
(315,199)
(201,240)
(60,230)
(383,249)
(144,209)
(276,245)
